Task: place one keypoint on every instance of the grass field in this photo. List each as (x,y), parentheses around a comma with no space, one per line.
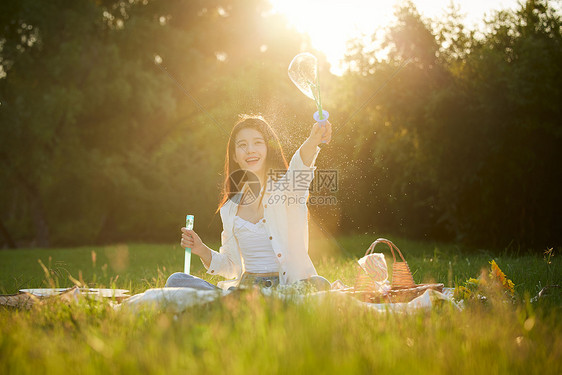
(253,334)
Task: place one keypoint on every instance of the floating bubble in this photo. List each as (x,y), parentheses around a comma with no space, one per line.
(303,71)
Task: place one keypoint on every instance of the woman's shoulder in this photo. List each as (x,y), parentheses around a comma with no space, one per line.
(226,208)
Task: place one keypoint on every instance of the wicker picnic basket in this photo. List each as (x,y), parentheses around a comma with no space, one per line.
(402,288)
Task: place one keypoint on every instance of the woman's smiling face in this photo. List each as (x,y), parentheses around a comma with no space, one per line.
(250,150)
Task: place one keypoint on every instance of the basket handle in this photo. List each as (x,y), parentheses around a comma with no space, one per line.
(392,246)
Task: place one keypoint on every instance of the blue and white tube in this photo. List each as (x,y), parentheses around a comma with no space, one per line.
(189,225)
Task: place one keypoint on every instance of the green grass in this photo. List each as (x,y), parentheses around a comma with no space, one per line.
(248,333)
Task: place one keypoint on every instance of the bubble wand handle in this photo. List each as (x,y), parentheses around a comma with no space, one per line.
(189,225)
(320,116)
(319,100)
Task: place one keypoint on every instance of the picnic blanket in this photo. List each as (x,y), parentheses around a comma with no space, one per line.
(27,298)
(177,300)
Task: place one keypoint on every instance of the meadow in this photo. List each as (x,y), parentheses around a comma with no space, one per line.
(250,333)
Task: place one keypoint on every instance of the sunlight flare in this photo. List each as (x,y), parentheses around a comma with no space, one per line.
(330,24)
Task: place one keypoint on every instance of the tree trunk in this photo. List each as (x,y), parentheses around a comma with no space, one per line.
(106,231)
(7,237)
(36,207)
(39,222)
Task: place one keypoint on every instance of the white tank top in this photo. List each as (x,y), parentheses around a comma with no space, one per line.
(257,253)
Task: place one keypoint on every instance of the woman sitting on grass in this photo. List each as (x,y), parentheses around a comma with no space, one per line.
(265,225)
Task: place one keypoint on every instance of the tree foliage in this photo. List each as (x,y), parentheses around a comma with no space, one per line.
(464,145)
(99,143)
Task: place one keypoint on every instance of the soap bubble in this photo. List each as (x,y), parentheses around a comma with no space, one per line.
(303,71)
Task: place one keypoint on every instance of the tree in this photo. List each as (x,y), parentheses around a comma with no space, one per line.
(451,146)
(98,143)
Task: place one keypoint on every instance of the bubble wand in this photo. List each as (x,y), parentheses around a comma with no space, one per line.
(303,71)
(189,225)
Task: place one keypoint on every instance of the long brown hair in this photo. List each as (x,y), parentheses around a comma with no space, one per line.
(275,159)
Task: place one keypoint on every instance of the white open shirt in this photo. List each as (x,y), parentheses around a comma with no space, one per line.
(286,222)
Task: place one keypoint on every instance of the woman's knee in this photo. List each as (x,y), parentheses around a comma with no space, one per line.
(177,279)
(318,282)
(183,280)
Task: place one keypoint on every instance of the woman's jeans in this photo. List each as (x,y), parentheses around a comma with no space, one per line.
(183,280)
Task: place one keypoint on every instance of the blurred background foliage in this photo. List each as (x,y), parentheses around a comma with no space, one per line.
(99,145)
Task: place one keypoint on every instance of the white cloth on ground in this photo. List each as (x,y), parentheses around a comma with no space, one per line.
(177,300)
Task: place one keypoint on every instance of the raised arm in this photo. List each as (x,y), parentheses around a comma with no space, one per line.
(318,134)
